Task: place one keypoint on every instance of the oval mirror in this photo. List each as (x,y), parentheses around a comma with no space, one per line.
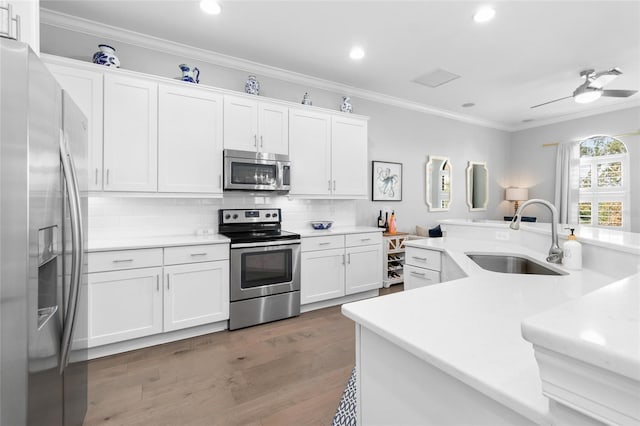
(477,186)
(438,183)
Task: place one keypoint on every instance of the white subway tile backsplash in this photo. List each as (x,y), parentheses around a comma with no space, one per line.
(113,217)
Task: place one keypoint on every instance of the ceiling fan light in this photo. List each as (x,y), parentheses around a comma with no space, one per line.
(587,96)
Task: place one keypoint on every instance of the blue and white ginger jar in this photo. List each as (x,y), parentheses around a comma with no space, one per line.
(346,104)
(106,56)
(252,86)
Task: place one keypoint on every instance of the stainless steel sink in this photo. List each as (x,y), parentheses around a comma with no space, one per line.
(511,264)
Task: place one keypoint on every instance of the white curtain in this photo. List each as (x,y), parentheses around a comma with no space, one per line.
(567,182)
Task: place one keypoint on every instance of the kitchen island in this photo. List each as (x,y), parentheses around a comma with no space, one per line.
(453,353)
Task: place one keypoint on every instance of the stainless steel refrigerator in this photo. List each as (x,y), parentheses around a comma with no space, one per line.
(43,208)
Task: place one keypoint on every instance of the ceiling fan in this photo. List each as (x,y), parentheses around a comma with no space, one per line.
(592,88)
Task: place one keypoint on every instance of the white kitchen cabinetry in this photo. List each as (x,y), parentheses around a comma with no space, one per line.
(251,125)
(422,267)
(196,293)
(124,294)
(124,305)
(328,155)
(310,137)
(85,88)
(349,156)
(335,266)
(131,295)
(189,139)
(130,133)
(322,275)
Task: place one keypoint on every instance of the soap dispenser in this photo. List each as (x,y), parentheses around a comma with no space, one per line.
(572,257)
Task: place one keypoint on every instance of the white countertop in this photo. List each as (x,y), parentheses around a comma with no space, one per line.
(617,240)
(470,328)
(601,328)
(334,230)
(128,243)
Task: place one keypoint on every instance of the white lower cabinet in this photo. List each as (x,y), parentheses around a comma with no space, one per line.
(363,271)
(322,275)
(336,266)
(127,302)
(195,294)
(124,305)
(422,267)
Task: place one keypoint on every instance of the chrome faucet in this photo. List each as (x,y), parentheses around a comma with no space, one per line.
(555,252)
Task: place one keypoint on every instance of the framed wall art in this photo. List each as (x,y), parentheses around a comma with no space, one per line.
(386,181)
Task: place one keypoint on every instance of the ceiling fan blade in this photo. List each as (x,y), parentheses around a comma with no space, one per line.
(550,102)
(603,78)
(619,93)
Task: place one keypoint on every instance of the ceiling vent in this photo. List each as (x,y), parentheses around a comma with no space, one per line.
(436,78)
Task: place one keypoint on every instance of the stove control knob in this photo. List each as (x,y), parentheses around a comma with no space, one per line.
(235,216)
(268,215)
(275,215)
(227,216)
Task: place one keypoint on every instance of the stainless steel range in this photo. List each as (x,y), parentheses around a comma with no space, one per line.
(264,267)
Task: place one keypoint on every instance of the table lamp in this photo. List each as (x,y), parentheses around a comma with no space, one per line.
(517,195)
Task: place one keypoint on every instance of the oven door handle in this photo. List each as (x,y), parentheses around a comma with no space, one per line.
(265,244)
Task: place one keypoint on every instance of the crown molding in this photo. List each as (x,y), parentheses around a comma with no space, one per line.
(577,115)
(98,29)
(85,26)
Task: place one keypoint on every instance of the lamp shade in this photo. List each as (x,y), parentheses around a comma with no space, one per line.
(516,194)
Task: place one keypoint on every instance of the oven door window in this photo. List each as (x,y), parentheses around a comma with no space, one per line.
(253,174)
(266,268)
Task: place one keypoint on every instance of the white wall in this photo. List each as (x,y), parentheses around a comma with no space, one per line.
(533,166)
(395,134)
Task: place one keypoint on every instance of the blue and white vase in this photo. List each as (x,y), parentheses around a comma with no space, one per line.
(252,86)
(346,104)
(306,100)
(106,56)
(190,75)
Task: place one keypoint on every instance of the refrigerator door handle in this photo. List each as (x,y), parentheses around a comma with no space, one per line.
(77,249)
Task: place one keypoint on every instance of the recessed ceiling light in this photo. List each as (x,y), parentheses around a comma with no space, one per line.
(468,105)
(356,53)
(211,7)
(484,14)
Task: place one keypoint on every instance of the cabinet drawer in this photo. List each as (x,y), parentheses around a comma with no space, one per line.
(370,238)
(192,254)
(419,277)
(322,243)
(124,259)
(423,258)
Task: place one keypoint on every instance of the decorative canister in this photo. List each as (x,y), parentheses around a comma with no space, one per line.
(252,86)
(306,100)
(190,75)
(346,104)
(106,56)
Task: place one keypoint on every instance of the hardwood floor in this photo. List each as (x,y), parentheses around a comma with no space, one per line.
(289,372)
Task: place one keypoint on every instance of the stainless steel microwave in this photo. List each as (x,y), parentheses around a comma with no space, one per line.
(256,171)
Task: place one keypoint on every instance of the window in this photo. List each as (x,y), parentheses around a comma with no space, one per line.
(604,183)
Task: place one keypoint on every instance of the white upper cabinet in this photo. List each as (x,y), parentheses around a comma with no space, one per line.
(189,139)
(251,125)
(85,88)
(349,156)
(328,155)
(310,135)
(273,128)
(130,133)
